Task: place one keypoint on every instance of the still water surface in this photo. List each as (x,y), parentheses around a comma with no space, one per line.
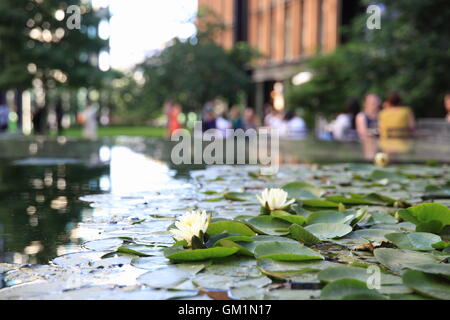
(39,199)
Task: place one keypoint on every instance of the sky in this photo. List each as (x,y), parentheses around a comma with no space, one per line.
(139,27)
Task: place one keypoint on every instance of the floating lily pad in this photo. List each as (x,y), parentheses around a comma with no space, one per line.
(303,190)
(283,215)
(180,254)
(304,236)
(362,274)
(331,217)
(320,203)
(170,276)
(378,235)
(427,284)
(284,251)
(428,217)
(442,269)
(397,259)
(325,231)
(103,244)
(419,241)
(269,225)
(231,227)
(349,289)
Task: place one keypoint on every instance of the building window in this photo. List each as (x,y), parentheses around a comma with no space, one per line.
(288,31)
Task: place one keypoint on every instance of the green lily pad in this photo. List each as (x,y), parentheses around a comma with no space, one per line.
(269,265)
(302,235)
(442,269)
(283,215)
(232,244)
(268,225)
(397,259)
(331,217)
(377,235)
(349,200)
(437,192)
(383,218)
(348,272)
(170,276)
(257,240)
(325,231)
(427,284)
(428,217)
(234,196)
(228,226)
(349,289)
(392,177)
(317,203)
(303,190)
(419,241)
(284,251)
(178,253)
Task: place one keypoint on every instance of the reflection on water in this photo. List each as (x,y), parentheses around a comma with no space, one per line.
(39,206)
(39,198)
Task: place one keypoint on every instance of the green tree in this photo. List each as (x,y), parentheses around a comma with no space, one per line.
(409,54)
(36,44)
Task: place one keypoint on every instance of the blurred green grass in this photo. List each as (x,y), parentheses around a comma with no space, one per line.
(114,131)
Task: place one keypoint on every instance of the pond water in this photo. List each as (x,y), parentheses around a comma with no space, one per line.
(41,182)
(83,220)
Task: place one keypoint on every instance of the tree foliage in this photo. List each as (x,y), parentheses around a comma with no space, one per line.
(409,54)
(31,35)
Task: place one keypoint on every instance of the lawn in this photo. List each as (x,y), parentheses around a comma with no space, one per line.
(113,131)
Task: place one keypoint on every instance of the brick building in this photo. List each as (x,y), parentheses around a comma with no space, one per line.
(286,33)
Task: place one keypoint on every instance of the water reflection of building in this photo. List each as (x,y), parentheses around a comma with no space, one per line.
(286,32)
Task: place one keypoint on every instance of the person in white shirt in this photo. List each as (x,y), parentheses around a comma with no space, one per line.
(222,124)
(344,127)
(293,126)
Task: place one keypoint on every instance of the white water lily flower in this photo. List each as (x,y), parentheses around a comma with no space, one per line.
(381,159)
(189,225)
(275,199)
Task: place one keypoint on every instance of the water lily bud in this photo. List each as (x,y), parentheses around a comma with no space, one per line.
(381,159)
(274,199)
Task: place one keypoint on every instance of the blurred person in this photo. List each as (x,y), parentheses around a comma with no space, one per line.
(222,124)
(235,118)
(273,118)
(343,127)
(4,114)
(59,112)
(90,125)
(293,126)
(173,113)
(447,106)
(208,117)
(396,121)
(39,116)
(250,121)
(367,120)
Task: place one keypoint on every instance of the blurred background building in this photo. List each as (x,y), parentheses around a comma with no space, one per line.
(286,32)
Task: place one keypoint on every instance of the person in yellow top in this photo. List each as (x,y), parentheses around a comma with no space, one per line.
(396,125)
(396,121)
